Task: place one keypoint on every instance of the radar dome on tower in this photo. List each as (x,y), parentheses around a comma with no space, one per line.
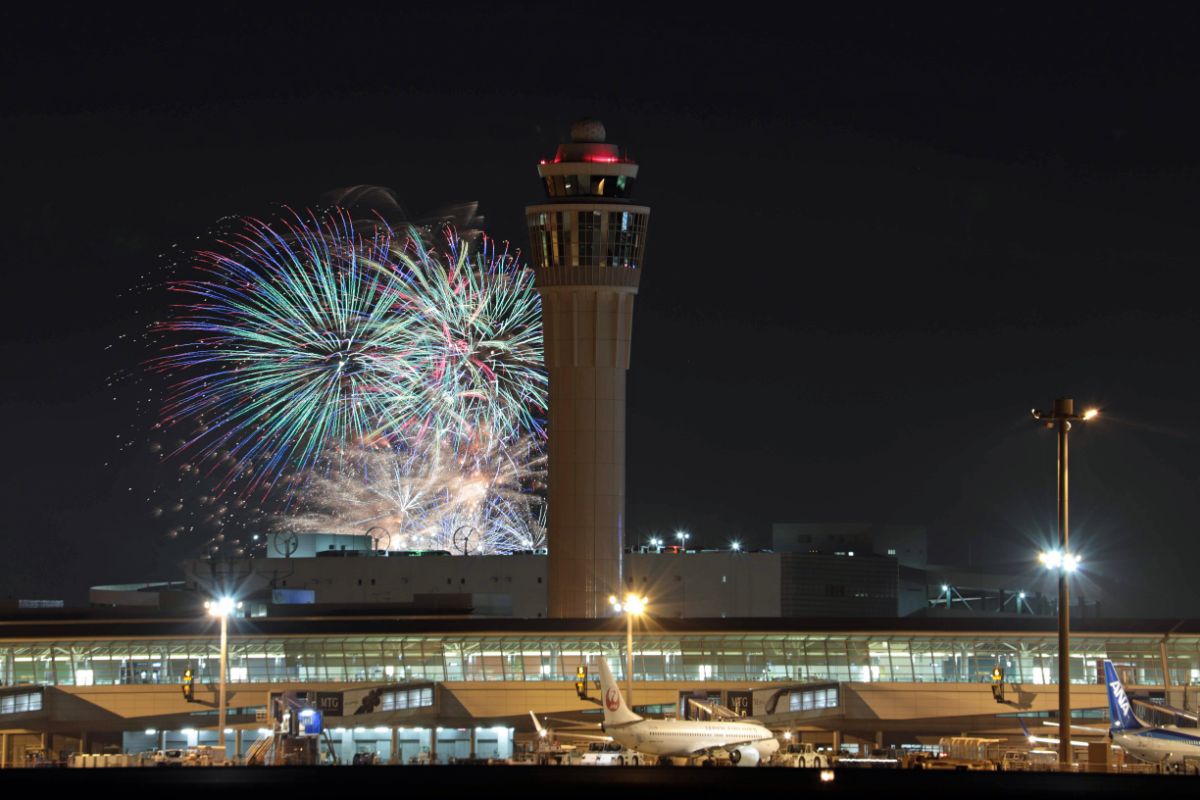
(588,145)
(588,130)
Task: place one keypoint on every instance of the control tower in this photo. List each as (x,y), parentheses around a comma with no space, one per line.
(588,238)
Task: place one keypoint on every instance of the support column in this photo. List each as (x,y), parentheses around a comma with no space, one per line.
(837,741)
(237,743)
(586,365)
(1166,671)
(395,758)
(433,737)
(472,733)
(3,750)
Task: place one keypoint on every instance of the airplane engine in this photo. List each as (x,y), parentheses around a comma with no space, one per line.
(745,756)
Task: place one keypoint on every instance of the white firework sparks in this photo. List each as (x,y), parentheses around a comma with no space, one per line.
(482,503)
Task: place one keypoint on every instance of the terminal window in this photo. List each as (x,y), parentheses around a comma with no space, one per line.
(21,703)
(411,698)
(813,700)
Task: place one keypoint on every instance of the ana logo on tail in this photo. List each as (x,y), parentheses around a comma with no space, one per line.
(612,698)
(1119,694)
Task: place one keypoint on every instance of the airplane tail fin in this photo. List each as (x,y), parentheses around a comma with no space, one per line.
(1120,710)
(1025,730)
(615,710)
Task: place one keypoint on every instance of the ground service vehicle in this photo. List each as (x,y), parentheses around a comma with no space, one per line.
(800,755)
(168,758)
(609,754)
(969,753)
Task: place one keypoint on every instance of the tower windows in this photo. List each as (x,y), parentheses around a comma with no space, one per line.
(588,238)
(588,224)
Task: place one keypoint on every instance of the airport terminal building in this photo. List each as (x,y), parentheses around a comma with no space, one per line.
(450,687)
(437,657)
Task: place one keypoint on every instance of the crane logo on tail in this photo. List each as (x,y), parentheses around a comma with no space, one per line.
(612,698)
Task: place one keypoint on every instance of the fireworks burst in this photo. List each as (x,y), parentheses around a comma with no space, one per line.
(356,375)
(293,342)
(310,334)
(480,324)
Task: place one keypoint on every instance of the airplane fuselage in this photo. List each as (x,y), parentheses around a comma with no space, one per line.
(1170,745)
(663,737)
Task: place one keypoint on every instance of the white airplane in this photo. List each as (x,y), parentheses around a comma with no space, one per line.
(1161,745)
(747,743)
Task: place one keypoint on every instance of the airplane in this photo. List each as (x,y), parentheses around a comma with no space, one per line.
(1167,744)
(747,743)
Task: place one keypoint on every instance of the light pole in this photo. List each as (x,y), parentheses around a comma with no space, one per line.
(682,536)
(221,608)
(633,606)
(1065,562)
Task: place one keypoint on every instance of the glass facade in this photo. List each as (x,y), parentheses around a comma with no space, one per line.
(588,238)
(753,657)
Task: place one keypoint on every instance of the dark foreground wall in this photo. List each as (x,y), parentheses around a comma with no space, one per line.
(614,783)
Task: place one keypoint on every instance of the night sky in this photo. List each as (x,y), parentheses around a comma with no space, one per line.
(879,237)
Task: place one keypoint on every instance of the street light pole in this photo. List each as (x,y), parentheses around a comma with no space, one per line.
(221,609)
(629,658)
(1060,419)
(633,606)
(224,660)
